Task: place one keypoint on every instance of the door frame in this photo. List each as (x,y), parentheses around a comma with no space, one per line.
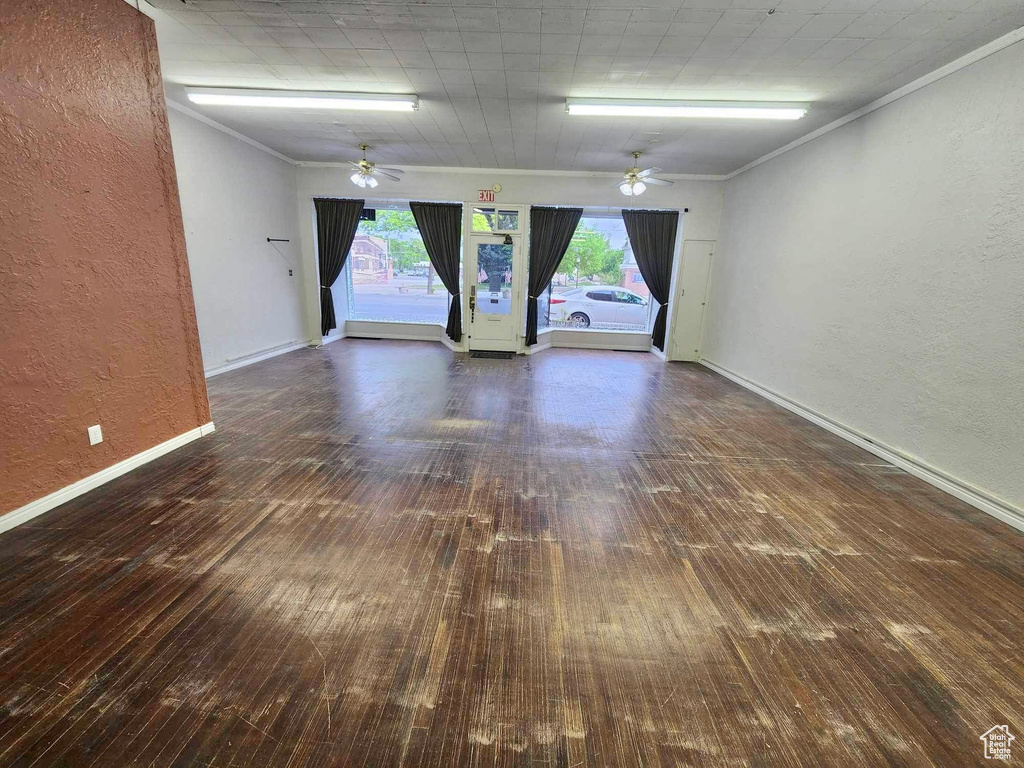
(689,292)
(469,273)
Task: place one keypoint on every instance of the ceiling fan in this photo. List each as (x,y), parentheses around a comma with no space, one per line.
(366,172)
(635,181)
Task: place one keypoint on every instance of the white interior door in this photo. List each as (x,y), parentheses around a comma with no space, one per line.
(492,282)
(693,286)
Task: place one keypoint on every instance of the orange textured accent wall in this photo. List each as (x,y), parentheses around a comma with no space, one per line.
(97,323)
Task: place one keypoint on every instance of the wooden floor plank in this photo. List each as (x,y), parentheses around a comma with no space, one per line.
(392,555)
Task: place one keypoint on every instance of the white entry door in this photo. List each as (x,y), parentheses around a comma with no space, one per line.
(492,292)
(494,278)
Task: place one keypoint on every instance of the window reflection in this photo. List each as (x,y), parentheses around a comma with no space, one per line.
(597,284)
(390,277)
(495,220)
(494,278)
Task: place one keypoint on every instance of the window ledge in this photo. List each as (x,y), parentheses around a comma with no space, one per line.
(608,332)
(389,329)
(595,338)
(417,323)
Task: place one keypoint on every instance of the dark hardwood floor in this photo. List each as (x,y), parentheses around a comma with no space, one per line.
(389,554)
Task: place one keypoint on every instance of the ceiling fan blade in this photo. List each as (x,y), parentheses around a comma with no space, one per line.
(354,165)
(381,172)
(645,173)
(399,171)
(658,182)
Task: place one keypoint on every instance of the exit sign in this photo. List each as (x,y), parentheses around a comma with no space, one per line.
(485,196)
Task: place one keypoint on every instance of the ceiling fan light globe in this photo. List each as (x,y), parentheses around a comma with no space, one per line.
(639,188)
(371,182)
(625,188)
(354,178)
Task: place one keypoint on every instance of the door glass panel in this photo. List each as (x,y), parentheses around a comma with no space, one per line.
(495,220)
(494,278)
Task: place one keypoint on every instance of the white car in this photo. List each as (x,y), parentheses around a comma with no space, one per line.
(599,305)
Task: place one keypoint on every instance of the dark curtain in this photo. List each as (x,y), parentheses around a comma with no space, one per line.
(336,222)
(652,235)
(551,229)
(440,226)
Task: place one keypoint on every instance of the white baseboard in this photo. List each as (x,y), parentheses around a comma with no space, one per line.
(951,485)
(329,339)
(450,344)
(658,353)
(255,357)
(69,492)
(538,348)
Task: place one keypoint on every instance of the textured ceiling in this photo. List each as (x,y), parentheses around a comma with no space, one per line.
(493,77)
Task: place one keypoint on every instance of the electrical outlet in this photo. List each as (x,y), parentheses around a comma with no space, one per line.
(95,434)
(289,273)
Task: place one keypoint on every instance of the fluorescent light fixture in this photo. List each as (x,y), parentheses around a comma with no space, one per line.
(743,110)
(243,97)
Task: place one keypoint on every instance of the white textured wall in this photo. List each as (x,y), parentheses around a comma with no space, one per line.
(876,275)
(703,198)
(233,197)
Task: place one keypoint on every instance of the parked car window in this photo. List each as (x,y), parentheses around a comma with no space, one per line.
(628,298)
(600,295)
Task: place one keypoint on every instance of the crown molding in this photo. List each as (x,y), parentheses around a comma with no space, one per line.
(516,171)
(954,66)
(142,7)
(178,107)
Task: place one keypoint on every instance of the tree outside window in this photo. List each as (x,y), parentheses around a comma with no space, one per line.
(390,275)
